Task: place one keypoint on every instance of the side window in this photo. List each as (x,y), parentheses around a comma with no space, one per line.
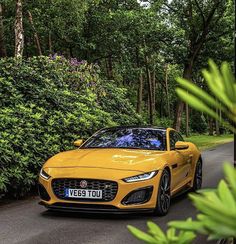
(173,140)
(180,138)
(174,137)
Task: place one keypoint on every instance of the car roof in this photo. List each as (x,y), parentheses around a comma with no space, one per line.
(139,127)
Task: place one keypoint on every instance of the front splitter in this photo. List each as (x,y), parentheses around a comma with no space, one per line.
(93,208)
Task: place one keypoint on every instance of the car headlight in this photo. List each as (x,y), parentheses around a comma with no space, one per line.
(44,175)
(145,176)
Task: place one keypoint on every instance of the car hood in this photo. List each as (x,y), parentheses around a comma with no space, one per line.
(119,159)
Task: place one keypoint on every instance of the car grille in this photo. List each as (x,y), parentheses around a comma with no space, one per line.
(109,188)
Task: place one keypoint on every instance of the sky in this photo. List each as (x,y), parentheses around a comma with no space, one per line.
(144,3)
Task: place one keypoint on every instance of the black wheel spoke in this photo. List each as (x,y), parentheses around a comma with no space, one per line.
(165,192)
(167,189)
(198,176)
(163,198)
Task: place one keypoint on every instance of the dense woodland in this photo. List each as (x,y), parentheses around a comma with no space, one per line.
(142,46)
(76,66)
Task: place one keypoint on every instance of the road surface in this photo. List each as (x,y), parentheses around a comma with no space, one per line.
(27,222)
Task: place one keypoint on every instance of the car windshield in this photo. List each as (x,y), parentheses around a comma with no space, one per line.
(138,138)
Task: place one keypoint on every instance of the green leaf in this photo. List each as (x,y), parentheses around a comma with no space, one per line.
(229,80)
(199,93)
(226,196)
(195,102)
(216,84)
(186,237)
(230,174)
(141,235)
(155,230)
(187,225)
(210,208)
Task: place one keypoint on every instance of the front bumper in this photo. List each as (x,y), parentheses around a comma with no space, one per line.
(93,208)
(117,205)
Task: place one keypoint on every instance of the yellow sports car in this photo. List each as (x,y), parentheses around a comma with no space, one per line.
(121,170)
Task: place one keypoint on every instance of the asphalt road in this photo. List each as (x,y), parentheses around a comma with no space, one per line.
(27,222)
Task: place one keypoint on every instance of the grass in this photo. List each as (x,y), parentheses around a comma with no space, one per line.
(205,141)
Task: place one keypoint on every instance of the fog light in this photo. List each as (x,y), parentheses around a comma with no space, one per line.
(43,193)
(138,196)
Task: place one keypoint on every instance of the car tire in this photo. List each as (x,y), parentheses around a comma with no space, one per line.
(163,196)
(197,181)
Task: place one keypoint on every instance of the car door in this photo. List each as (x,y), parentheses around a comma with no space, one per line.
(188,154)
(179,161)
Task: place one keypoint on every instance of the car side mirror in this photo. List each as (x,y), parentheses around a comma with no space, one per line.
(181,145)
(78,143)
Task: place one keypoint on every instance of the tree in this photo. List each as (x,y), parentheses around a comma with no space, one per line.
(3,52)
(131,44)
(19,31)
(36,38)
(217,207)
(198,19)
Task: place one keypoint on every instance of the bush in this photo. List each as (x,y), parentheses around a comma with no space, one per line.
(164,122)
(45,105)
(198,123)
(114,99)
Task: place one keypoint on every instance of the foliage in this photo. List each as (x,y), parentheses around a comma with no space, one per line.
(46,103)
(223,87)
(217,217)
(121,35)
(63,20)
(205,141)
(156,235)
(114,100)
(163,122)
(198,123)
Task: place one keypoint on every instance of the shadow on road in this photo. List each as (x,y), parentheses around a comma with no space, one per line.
(111,216)
(103,216)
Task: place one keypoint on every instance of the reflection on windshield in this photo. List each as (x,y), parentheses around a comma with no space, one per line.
(139,138)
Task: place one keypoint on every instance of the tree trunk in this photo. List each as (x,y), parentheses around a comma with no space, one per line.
(150,90)
(187,74)
(217,125)
(3,52)
(167,91)
(211,129)
(187,120)
(154,93)
(140,94)
(36,38)
(140,86)
(161,102)
(19,31)
(196,43)
(148,103)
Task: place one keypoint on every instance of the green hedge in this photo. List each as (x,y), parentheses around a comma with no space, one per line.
(198,123)
(45,104)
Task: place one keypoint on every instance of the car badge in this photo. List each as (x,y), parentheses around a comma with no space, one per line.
(83,183)
(107,186)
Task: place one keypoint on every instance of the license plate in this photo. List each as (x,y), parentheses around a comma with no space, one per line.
(83,193)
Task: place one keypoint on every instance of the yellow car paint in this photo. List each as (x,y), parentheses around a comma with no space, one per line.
(117,164)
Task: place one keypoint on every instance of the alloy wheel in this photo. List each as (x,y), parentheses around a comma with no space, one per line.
(198,175)
(165,192)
